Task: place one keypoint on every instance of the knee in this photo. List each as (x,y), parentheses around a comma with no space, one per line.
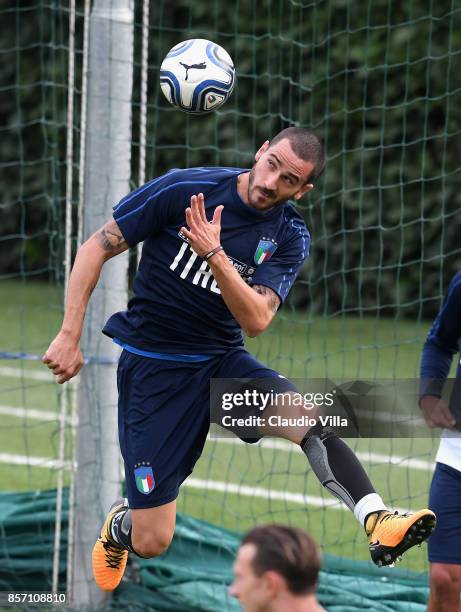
(152,544)
(443,584)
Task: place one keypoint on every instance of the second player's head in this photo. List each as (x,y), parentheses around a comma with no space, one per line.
(285,168)
(276,568)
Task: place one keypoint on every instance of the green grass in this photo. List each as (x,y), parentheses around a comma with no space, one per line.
(340,347)
(30,316)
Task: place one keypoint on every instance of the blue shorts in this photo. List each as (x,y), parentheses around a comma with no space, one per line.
(164,418)
(445,500)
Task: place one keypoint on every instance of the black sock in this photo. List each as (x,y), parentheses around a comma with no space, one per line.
(336,466)
(121,529)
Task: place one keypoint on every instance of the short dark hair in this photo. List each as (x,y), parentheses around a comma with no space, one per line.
(306,145)
(290,552)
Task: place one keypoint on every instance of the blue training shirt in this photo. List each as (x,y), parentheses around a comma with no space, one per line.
(177,306)
(443,341)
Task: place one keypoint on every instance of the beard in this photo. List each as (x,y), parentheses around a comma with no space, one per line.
(253,193)
(251,181)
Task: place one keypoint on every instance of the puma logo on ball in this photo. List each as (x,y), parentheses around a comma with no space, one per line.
(200,66)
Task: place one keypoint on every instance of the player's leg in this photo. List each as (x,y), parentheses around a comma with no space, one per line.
(153,529)
(390,534)
(162,429)
(339,470)
(147,533)
(445,544)
(445,583)
(333,462)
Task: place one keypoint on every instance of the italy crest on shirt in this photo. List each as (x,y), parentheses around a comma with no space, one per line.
(264,251)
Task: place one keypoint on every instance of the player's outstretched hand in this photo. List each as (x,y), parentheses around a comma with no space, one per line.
(63,357)
(203,236)
(437,412)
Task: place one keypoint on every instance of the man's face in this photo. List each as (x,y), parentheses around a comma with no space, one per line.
(251,590)
(278,174)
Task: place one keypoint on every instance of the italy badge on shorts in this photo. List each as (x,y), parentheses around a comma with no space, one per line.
(265,249)
(145,482)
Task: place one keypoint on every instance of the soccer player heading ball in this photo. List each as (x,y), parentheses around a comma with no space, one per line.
(184,327)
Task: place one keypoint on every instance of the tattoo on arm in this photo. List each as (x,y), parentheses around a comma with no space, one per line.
(272,298)
(111,239)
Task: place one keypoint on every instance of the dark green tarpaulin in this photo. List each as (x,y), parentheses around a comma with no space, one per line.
(194,573)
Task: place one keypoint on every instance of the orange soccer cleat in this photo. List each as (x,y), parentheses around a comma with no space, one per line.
(109,559)
(390,534)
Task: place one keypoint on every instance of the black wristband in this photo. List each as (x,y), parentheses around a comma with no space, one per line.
(210,254)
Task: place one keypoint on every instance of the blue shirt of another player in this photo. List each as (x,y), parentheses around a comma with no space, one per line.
(177,307)
(443,341)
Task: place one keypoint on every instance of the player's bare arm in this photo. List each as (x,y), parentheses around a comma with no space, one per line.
(111,239)
(436,412)
(273,300)
(253,308)
(63,356)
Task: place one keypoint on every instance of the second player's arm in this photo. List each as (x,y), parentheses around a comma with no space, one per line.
(438,351)
(63,355)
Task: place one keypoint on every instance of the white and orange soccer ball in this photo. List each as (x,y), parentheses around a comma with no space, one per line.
(197,76)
